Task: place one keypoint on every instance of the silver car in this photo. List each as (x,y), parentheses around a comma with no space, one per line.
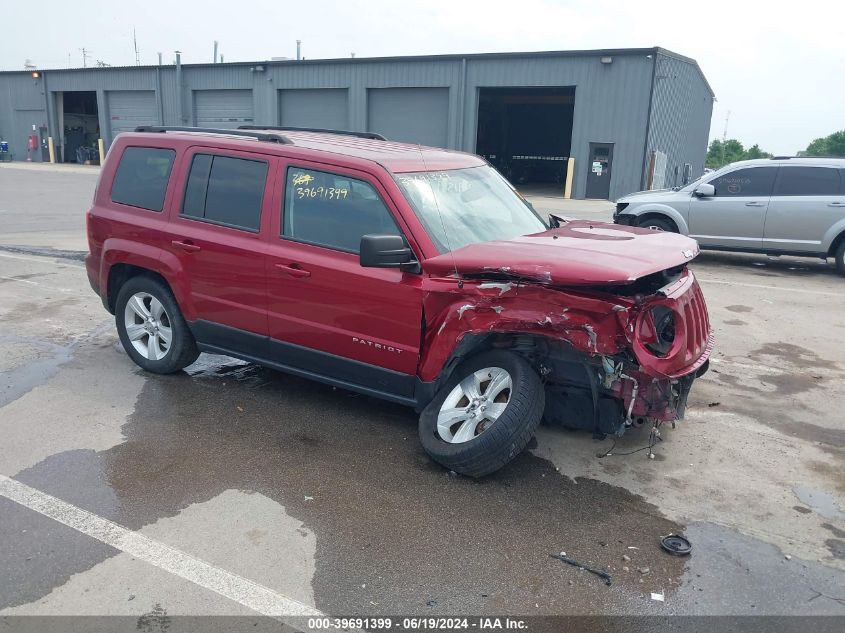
(778,206)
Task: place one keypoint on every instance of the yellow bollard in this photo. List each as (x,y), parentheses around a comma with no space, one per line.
(570,171)
(51,148)
(102,147)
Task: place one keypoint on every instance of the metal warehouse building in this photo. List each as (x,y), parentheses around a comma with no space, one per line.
(629,118)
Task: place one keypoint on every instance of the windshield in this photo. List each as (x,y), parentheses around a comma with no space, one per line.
(474,205)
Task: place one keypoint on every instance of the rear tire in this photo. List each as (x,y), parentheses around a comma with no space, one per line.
(151,327)
(658,224)
(485,445)
(840,258)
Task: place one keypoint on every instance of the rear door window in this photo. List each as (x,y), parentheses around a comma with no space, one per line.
(743,183)
(142,176)
(225,190)
(807,181)
(333,210)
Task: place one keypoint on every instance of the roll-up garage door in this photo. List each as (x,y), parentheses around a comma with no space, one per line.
(413,115)
(223,108)
(130,108)
(322,108)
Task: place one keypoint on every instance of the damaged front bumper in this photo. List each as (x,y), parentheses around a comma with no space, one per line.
(651,382)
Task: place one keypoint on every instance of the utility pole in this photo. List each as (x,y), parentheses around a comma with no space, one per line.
(85,55)
(215,50)
(725,135)
(298,50)
(135,43)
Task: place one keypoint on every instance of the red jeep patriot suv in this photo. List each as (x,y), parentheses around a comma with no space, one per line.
(408,273)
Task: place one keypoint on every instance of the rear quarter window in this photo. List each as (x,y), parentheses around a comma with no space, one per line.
(807,181)
(142,176)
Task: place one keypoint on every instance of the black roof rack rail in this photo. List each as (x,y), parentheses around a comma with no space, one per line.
(827,156)
(272,138)
(282,128)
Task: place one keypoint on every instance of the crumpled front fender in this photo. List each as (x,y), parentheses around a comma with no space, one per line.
(589,324)
(592,322)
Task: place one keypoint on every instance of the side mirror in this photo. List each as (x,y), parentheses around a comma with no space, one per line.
(386,251)
(705,190)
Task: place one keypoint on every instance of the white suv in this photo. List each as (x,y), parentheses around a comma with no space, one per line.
(778,206)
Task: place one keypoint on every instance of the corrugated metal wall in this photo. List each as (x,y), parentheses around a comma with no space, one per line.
(679,125)
(611,100)
(22,105)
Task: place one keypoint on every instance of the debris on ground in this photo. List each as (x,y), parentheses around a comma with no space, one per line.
(659,597)
(788,557)
(598,572)
(676,545)
(644,570)
(714,404)
(626,558)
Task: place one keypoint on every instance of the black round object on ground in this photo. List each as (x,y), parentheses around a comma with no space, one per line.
(676,545)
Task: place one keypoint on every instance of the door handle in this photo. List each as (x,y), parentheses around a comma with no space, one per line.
(836,204)
(294,270)
(186,245)
(753,204)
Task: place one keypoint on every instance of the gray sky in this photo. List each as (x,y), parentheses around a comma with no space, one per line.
(778,68)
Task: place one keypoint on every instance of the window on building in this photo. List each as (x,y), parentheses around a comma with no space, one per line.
(333,210)
(142,176)
(226,190)
(752,181)
(807,181)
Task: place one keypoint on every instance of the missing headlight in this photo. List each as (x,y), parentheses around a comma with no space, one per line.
(664,330)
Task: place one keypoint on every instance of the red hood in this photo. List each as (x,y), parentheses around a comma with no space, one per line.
(577,253)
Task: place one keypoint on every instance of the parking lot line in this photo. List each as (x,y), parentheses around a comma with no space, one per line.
(39,260)
(35,283)
(764,287)
(250,594)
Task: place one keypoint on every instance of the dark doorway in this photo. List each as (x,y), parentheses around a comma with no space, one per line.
(526,133)
(80,127)
(600,163)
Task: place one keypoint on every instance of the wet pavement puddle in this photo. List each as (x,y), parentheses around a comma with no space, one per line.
(394,531)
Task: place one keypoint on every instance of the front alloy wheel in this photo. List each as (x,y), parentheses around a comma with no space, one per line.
(474,405)
(484,415)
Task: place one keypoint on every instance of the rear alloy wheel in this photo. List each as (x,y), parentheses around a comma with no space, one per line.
(658,224)
(485,415)
(151,327)
(840,258)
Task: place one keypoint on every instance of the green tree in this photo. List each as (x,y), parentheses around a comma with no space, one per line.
(755,152)
(721,153)
(832,145)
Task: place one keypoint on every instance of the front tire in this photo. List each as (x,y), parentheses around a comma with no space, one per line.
(658,224)
(151,327)
(485,415)
(840,258)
